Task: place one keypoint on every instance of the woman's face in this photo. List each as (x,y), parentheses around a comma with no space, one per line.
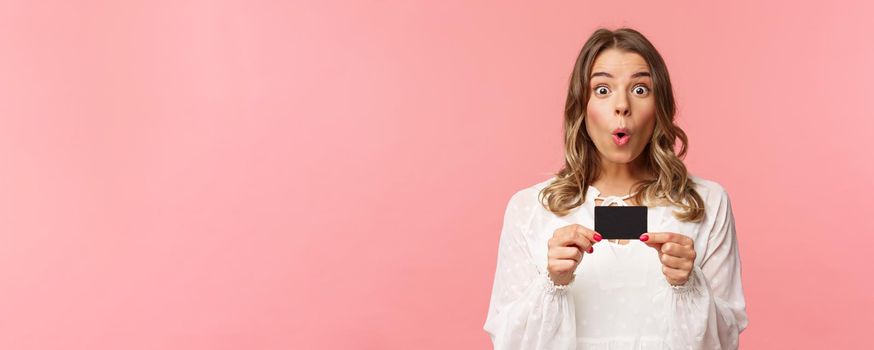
(620,96)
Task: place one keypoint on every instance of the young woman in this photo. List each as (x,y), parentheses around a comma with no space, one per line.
(559,285)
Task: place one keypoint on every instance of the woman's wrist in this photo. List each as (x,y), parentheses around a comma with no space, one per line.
(562,280)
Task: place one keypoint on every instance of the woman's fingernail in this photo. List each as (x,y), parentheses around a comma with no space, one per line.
(591,249)
(598,237)
(644,237)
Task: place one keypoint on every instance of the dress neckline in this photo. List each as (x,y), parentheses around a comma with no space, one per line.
(594,193)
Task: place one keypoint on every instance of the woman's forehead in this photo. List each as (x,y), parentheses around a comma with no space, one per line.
(619,63)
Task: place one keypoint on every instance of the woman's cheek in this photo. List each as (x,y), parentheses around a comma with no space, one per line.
(595,111)
(648,107)
(594,123)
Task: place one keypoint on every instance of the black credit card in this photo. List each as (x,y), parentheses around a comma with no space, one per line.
(620,222)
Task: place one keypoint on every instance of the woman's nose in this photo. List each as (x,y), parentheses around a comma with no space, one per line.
(622,109)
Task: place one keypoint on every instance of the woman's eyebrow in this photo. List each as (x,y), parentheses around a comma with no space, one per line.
(635,75)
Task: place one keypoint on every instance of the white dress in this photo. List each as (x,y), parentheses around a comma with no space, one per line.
(619,299)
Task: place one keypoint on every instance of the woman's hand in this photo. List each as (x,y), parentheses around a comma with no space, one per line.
(676,252)
(566,249)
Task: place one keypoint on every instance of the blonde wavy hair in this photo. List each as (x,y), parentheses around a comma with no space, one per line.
(668,181)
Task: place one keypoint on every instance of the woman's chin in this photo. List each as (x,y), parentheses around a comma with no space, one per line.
(620,158)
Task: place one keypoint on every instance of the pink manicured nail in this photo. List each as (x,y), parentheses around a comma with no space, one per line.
(591,249)
(598,237)
(644,237)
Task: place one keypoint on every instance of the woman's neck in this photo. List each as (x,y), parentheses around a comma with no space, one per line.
(618,179)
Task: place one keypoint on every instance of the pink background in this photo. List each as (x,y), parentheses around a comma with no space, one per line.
(264,175)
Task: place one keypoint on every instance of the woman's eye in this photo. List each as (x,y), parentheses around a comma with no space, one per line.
(641,90)
(600,90)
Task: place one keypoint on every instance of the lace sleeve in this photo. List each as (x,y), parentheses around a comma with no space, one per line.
(526,310)
(709,311)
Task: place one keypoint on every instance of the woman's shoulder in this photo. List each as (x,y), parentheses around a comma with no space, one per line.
(710,190)
(715,196)
(532,191)
(529,196)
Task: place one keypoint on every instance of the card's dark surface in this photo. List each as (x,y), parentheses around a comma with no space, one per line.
(628,222)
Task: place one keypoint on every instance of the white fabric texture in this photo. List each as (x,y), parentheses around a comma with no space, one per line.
(619,298)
